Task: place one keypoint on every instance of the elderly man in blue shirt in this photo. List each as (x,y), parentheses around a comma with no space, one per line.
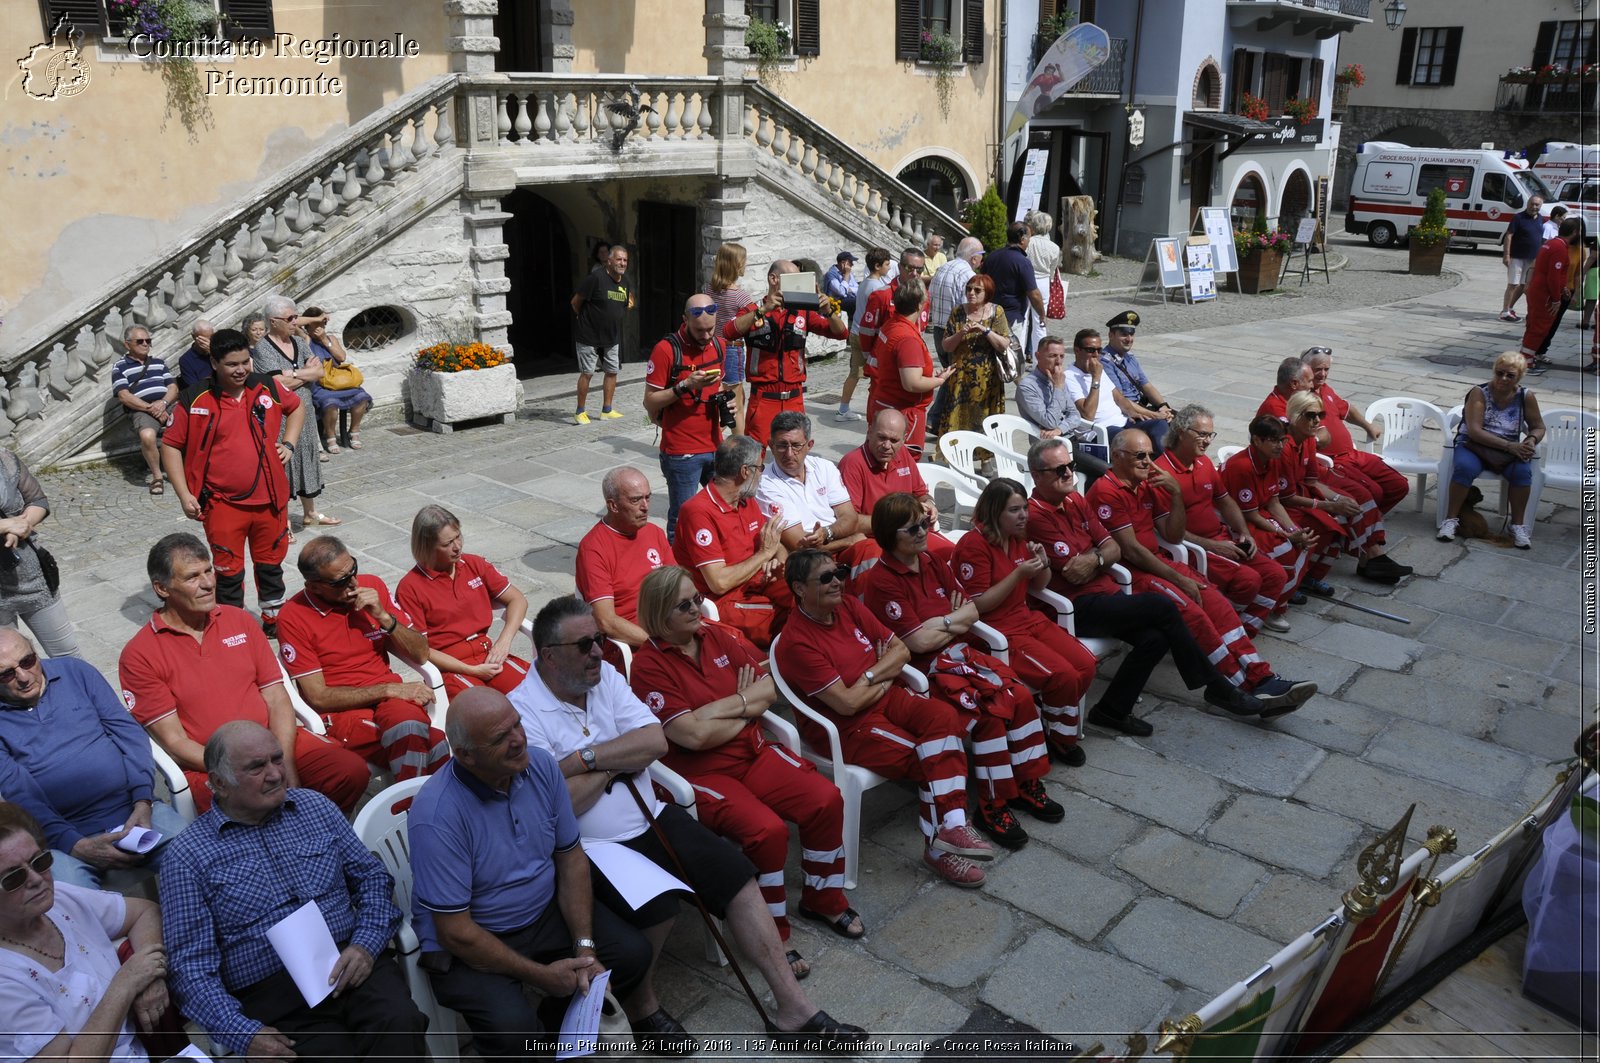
(72,756)
(259,854)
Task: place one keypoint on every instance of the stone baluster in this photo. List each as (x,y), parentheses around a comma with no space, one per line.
(288,225)
(691,115)
(400,150)
(764,129)
(859,197)
(751,118)
(653,118)
(374,169)
(674,115)
(350,190)
(328,201)
(581,126)
(83,351)
(708,110)
(301,217)
(563,107)
(919,231)
(541,122)
(159,313)
(874,203)
(835,177)
(421,146)
(233,265)
(72,367)
(808,161)
(101,350)
(522,124)
(55,372)
(211,268)
(780,139)
(503,114)
(184,296)
(444,133)
(796,149)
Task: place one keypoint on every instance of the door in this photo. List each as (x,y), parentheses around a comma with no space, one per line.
(1202,168)
(1499,199)
(543,276)
(521,36)
(667,267)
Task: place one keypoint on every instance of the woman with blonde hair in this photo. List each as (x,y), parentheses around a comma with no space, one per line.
(1500,430)
(726,272)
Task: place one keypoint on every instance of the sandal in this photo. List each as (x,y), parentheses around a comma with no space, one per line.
(331,448)
(319,518)
(839,924)
(797,964)
(822,1034)
(355,441)
(158,487)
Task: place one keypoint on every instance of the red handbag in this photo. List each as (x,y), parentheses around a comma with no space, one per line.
(1056,308)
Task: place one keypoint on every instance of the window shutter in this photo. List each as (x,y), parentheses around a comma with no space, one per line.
(972,31)
(1314,86)
(1243,75)
(1275,81)
(807,27)
(907,29)
(247,19)
(1086,10)
(1047,11)
(1544,43)
(86,16)
(1452,52)
(1408,55)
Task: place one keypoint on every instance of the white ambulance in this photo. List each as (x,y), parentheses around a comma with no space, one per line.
(1482,189)
(1563,161)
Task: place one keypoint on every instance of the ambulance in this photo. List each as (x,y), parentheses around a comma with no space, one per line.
(1563,161)
(1482,189)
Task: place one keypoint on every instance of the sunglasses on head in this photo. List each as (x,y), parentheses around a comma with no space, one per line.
(343,581)
(1318,350)
(12,880)
(30,661)
(841,573)
(700,311)
(585,645)
(688,605)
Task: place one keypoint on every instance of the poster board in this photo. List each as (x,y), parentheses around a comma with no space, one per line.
(1201,268)
(1032,183)
(1306,233)
(1169,261)
(1218,227)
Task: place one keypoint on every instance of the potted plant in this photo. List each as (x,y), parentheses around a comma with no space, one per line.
(454,382)
(1254,107)
(1350,76)
(1302,111)
(1430,238)
(1260,252)
(176,22)
(985,218)
(1519,75)
(770,44)
(942,52)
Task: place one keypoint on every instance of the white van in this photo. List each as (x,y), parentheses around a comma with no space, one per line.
(1563,160)
(1482,189)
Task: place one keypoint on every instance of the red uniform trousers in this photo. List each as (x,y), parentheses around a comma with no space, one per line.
(916,421)
(1216,628)
(322,764)
(1288,556)
(229,527)
(1003,721)
(750,808)
(1386,486)
(1365,530)
(1256,586)
(910,736)
(476,651)
(760,410)
(759,613)
(1055,664)
(393,734)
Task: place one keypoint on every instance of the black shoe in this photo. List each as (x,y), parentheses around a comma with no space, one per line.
(1033,799)
(1224,695)
(1298,598)
(659,1034)
(998,823)
(1128,725)
(822,1034)
(1317,588)
(1382,570)
(1072,756)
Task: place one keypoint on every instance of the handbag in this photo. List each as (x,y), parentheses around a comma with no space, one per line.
(616,1032)
(1493,460)
(1006,361)
(341,376)
(1056,308)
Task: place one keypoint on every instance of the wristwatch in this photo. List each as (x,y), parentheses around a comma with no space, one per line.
(587,755)
(583,943)
(870,677)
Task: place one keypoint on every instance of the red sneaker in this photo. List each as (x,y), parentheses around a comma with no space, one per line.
(956,870)
(962,841)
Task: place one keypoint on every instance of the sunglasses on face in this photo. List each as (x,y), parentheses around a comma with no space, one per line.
(921,527)
(30,662)
(585,645)
(140,343)
(12,880)
(700,311)
(343,581)
(1060,472)
(1138,455)
(1505,374)
(1312,415)
(841,573)
(688,606)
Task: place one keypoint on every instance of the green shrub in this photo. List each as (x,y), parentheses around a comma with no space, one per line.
(985,218)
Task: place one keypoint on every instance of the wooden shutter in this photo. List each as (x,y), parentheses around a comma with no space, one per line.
(1086,10)
(1408,55)
(1452,52)
(907,29)
(972,31)
(1243,77)
(1314,85)
(807,27)
(1275,81)
(86,16)
(247,19)
(1047,11)
(1544,44)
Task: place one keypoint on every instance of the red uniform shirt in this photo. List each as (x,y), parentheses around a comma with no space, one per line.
(867,484)
(1065,531)
(1548,278)
(903,599)
(1335,408)
(671,683)
(208,681)
(979,565)
(238,468)
(348,648)
(456,607)
(687,424)
(1299,464)
(612,565)
(1202,486)
(1252,482)
(879,312)
(711,530)
(1118,506)
(813,656)
(900,347)
(762,366)
(1274,405)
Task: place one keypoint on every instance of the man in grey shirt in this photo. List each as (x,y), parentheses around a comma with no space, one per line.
(1042,399)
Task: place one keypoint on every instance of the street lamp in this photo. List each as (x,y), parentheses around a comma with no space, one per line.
(1395,13)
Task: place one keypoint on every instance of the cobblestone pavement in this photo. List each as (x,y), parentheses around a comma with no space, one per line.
(1188,857)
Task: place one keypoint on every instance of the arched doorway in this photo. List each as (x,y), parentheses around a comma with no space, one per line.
(1249,203)
(1296,201)
(541,268)
(939,181)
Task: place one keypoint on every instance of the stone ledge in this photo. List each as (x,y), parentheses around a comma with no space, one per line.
(491,253)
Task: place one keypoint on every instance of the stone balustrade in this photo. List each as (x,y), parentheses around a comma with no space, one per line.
(545,111)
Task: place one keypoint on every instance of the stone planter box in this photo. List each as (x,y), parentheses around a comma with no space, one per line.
(1427,261)
(439,401)
(1258,272)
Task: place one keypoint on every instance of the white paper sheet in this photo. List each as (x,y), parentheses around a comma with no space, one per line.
(193,1052)
(580,1026)
(307,949)
(636,878)
(138,840)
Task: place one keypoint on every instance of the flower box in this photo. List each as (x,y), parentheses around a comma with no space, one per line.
(439,401)
(1258,272)
(1425,261)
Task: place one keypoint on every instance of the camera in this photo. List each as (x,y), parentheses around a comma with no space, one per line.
(720,406)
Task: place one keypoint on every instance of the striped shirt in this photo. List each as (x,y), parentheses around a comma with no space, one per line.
(949,289)
(148,380)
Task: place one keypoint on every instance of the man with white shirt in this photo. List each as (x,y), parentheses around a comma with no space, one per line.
(1087,385)
(810,493)
(603,738)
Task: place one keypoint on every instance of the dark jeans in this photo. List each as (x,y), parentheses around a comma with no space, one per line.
(1151,625)
(712,866)
(375,1020)
(1155,429)
(686,474)
(495,1007)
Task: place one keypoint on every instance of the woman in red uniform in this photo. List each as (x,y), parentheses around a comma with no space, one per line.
(917,597)
(709,687)
(996,565)
(451,596)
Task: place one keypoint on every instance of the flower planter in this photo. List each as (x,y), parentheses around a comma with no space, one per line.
(1258,272)
(1427,261)
(439,401)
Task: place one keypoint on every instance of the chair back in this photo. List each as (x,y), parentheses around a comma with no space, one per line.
(1404,419)
(959,451)
(1005,428)
(962,488)
(1568,442)
(1224,453)
(381,826)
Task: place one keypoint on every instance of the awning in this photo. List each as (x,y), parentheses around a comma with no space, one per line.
(1237,128)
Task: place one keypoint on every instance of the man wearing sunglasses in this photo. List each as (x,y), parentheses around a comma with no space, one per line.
(147,390)
(683,394)
(1373,475)
(335,638)
(1138,399)
(77,762)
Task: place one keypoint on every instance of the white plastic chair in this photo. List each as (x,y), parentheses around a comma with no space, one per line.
(1447,456)
(1404,419)
(1185,552)
(961,487)
(1224,453)
(852,780)
(177,782)
(1564,454)
(959,452)
(1004,428)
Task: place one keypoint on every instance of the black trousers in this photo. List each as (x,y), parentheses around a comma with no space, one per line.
(375,1020)
(1151,626)
(504,1023)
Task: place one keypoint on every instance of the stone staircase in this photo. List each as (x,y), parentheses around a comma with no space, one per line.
(457,137)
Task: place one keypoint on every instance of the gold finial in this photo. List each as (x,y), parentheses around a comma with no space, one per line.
(1427,892)
(1440,840)
(1379,867)
(1137,1044)
(1177,1038)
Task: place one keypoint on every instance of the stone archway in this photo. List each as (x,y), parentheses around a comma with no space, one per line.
(1296,200)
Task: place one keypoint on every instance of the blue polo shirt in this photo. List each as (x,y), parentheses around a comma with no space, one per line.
(476,849)
(1527,235)
(1013,278)
(1126,373)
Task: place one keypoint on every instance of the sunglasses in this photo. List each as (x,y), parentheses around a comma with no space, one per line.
(919,528)
(841,573)
(31,661)
(343,581)
(700,311)
(585,645)
(1312,415)
(1139,455)
(291,317)
(1506,374)
(1060,472)
(12,880)
(688,605)
(1319,350)
(140,343)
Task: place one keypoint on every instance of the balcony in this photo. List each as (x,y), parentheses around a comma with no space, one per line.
(1320,18)
(1571,95)
(1103,82)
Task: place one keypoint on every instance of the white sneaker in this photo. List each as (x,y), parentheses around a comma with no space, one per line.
(1447,530)
(1521,537)
(847,415)
(1275,622)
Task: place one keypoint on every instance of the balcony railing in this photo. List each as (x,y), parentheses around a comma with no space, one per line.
(1355,8)
(1562,96)
(1103,80)
(1327,17)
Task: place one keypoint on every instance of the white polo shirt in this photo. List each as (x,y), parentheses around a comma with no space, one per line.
(558,726)
(1106,412)
(807,504)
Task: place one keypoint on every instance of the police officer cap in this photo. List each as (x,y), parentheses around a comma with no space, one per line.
(1128,319)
